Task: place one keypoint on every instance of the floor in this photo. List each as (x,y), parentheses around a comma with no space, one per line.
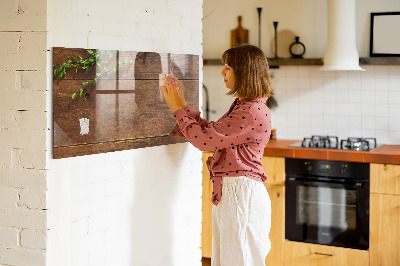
(206,261)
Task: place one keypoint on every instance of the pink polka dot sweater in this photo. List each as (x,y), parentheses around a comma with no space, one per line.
(238,139)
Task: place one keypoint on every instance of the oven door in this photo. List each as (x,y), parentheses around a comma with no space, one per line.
(327,213)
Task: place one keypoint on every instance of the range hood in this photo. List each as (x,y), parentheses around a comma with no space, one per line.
(341,51)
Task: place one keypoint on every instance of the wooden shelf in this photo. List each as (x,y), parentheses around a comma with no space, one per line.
(274,63)
(380,61)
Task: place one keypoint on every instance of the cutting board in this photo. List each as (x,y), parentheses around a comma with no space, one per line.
(239,35)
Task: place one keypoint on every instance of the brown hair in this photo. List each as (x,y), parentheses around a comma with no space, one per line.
(250,66)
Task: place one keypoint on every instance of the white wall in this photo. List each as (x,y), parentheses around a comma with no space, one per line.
(136,207)
(23,133)
(311,102)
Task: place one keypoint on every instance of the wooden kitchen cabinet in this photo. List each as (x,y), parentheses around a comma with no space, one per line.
(305,254)
(385,215)
(385,178)
(274,168)
(206,225)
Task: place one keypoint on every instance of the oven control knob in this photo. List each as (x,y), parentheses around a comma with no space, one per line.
(308,166)
(343,168)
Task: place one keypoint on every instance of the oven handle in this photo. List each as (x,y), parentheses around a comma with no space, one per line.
(357,185)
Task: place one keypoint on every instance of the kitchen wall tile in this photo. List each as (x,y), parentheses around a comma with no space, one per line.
(381,97)
(342,133)
(381,123)
(317,131)
(354,80)
(394,83)
(367,96)
(367,110)
(394,137)
(342,122)
(292,82)
(381,84)
(367,133)
(304,82)
(329,122)
(355,122)
(315,72)
(291,71)
(316,82)
(342,109)
(342,80)
(381,136)
(317,94)
(278,72)
(317,120)
(368,123)
(381,110)
(342,96)
(328,74)
(394,123)
(393,71)
(380,71)
(394,97)
(317,107)
(355,132)
(367,82)
(394,110)
(329,92)
(329,109)
(355,96)
(355,109)
(304,72)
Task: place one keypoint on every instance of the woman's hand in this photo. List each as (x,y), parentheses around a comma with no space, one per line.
(181,89)
(181,92)
(171,93)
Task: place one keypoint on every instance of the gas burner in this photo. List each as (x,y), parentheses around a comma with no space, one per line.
(332,142)
(327,142)
(358,144)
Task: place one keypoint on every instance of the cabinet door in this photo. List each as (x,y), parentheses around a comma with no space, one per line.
(304,254)
(277,233)
(206,226)
(385,178)
(274,168)
(384,230)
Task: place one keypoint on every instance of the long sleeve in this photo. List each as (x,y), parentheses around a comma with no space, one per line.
(232,130)
(193,113)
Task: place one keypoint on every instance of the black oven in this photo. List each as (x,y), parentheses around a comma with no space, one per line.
(327,202)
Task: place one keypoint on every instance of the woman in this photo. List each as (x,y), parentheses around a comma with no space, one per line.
(242,208)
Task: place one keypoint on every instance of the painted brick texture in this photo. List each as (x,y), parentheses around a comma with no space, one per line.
(23,218)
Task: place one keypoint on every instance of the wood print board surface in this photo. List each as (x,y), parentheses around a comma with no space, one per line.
(125,109)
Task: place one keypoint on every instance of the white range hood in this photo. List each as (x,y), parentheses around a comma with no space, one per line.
(341,51)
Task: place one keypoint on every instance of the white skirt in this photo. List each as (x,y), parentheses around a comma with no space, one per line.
(241,223)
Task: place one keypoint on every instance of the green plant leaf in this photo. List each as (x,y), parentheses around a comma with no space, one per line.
(80,92)
(95,82)
(90,52)
(73,95)
(85,83)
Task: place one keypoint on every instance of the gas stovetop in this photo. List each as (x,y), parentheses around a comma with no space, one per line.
(332,142)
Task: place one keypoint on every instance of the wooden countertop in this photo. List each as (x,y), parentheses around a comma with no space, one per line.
(389,154)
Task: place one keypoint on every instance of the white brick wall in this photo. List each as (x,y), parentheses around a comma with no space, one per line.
(137,207)
(23,132)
